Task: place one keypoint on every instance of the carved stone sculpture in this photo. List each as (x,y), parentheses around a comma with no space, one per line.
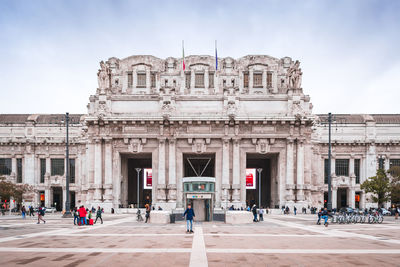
(103,75)
(294,75)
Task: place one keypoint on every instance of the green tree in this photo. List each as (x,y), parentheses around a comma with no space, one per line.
(379,186)
(10,190)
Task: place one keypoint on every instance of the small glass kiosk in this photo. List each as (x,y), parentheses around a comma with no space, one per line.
(199,192)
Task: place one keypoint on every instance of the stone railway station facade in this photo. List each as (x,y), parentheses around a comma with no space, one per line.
(190,136)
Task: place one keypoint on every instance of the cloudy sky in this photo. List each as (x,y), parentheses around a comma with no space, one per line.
(50,50)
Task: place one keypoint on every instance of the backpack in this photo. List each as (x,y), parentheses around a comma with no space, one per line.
(42,212)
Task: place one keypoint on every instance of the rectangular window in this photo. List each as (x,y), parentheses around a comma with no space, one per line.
(141,80)
(19,170)
(211,80)
(199,80)
(130,79)
(246,80)
(342,167)
(57,167)
(326,172)
(153,80)
(187,80)
(257,80)
(394,163)
(357,170)
(5,166)
(42,170)
(269,79)
(72,171)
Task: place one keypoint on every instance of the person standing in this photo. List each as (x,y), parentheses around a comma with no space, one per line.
(82,214)
(261,214)
(325,216)
(189,212)
(396,213)
(76,216)
(295,210)
(40,215)
(148,209)
(254,210)
(319,216)
(98,215)
(31,211)
(23,212)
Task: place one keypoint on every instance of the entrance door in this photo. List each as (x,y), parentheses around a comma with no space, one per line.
(341,198)
(57,198)
(199,207)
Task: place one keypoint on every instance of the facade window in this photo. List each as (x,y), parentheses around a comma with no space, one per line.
(394,163)
(42,170)
(130,79)
(5,166)
(211,80)
(141,80)
(326,172)
(153,80)
(257,80)
(342,167)
(269,79)
(246,80)
(199,80)
(72,171)
(187,80)
(19,170)
(57,167)
(357,170)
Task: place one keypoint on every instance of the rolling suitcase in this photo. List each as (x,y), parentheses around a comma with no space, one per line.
(90,221)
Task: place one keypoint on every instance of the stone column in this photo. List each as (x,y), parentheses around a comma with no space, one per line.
(216,83)
(192,81)
(161,171)
(183,82)
(124,82)
(28,169)
(116,179)
(362,200)
(387,163)
(14,166)
(264,80)
(351,197)
(98,169)
(172,171)
(334,197)
(251,80)
(289,170)
(108,172)
(206,81)
(236,172)
(300,170)
(179,173)
(351,166)
(274,83)
(134,79)
(225,172)
(47,197)
(333,166)
(148,80)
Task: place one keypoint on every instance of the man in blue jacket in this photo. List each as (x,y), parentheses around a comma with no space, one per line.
(189,212)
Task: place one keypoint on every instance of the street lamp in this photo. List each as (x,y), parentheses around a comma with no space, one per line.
(67,213)
(138,171)
(259,170)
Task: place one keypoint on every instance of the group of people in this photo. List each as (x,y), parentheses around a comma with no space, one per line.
(81,214)
(259,212)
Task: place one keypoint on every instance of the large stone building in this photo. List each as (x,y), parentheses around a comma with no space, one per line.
(191,134)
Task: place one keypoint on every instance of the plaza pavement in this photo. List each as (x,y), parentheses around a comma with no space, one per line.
(281,240)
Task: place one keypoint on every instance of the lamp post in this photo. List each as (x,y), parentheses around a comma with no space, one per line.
(329,205)
(259,170)
(138,171)
(67,213)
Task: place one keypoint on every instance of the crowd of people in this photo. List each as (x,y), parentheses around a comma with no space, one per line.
(84,216)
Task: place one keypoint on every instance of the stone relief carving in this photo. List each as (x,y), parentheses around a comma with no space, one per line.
(102,110)
(135,145)
(262,146)
(297,110)
(199,145)
(294,75)
(103,76)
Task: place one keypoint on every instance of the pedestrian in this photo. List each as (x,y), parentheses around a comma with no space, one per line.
(82,215)
(319,216)
(31,211)
(23,212)
(261,214)
(76,216)
(40,215)
(287,210)
(295,210)
(396,213)
(148,209)
(189,212)
(254,210)
(98,215)
(325,217)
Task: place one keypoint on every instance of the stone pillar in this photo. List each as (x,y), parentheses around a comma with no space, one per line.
(351,197)
(64,198)
(333,166)
(108,172)
(216,83)
(161,171)
(98,169)
(351,166)
(179,175)
(134,79)
(251,80)
(14,166)
(28,169)
(334,197)
(206,81)
(387,163)
(47,197)
(116,179)
(289,170)
(274,83)
(362,200)
(124,82)
(148,80)
(172,171)
(183,82)
(264,80)
(225,172)
(192,80)
(300,170)
(236,172)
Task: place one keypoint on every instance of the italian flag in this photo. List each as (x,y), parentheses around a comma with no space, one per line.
(183,57)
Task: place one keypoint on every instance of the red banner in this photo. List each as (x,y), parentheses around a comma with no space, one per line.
(250,178)
(148,179)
